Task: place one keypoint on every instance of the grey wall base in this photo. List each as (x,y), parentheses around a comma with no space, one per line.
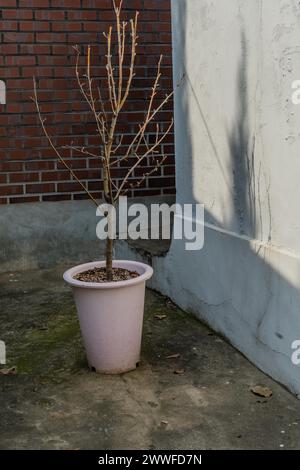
(40,235)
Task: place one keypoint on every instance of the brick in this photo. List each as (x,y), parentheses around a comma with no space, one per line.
(14,108)
(12,72)
(66,3)
(40,188)
(49,15)
(102,4)
(161,182)
(165,37)
(82,15)
(88,174)
(8,49)
(37,71)
(95,185)
(51,37)
(17,14)
(169,170)
(165,16)
(51,60)
(8,190)
(158,4)
(18,200)
(74,164)
(23,177)
(133,4)
(37,49)
(106,15)
(146,192)
(67,26)
(34,3)
(169,191)
(20,60)
(34,26)
(8,25)
(85,38)
(10,166)
(18,37)
(61,49)
(90,26)
(69,187)
(83,196)
(39,165)
(55,176)
(8,3)
(56,197)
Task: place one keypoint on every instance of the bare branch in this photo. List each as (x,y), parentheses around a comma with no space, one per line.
(82,150)
(134,37)
(143,129)
(130,171)
(113,151)
(110,74)
(35,99)
(145,176)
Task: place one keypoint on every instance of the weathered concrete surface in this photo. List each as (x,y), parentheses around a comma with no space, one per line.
(237,151)
(54,402)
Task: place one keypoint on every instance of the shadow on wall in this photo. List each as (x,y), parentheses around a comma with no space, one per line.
(240,145)
(235,285)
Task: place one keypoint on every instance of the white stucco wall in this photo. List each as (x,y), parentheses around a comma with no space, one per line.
(238,152)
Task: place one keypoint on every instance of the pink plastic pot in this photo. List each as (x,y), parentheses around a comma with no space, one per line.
(111,316)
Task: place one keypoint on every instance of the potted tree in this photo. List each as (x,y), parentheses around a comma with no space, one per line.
(109,295)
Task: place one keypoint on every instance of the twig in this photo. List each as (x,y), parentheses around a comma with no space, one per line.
(35,99)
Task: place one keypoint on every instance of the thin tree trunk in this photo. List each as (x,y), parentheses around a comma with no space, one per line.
(109,258)
(109,241)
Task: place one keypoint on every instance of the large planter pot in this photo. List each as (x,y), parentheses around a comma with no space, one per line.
(111,316)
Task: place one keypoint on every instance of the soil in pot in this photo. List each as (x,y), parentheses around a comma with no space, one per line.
(99,275)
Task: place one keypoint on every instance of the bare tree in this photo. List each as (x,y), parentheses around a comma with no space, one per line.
(106,112)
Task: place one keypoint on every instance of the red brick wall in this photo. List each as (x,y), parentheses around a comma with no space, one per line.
(36,40)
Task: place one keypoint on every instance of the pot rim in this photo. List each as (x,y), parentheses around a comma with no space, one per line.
(134,265)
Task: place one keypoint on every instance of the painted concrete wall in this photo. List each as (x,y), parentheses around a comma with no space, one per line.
(238,152)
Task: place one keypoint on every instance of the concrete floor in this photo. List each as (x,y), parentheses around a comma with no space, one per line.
(55,402)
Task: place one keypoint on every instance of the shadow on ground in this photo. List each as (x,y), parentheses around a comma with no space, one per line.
(54,402)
